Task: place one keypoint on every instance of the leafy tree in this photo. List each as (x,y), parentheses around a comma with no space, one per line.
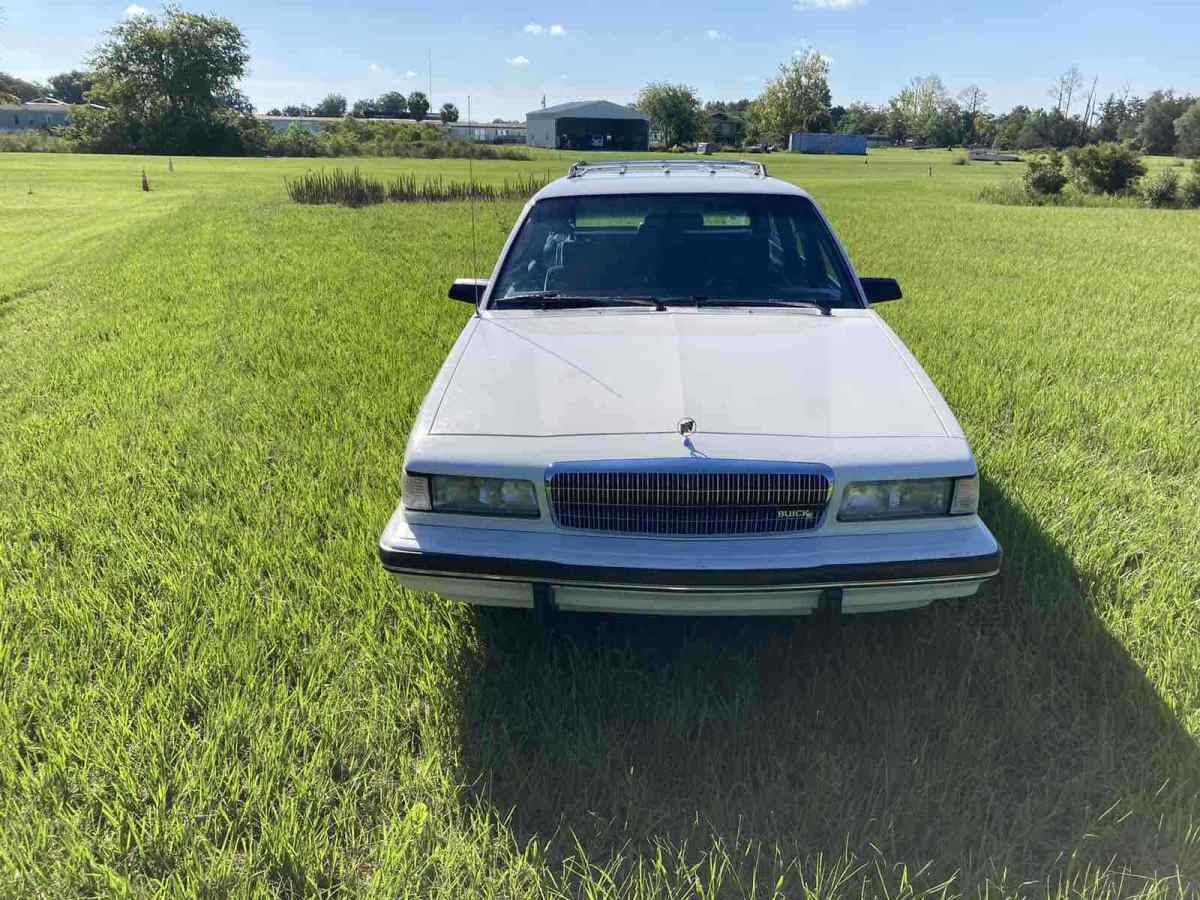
(862,118)
(236,101)
(365,109)
(71,87)
(923,111)
(301,109)
(274,111)
(973,104)
(168,84)
(674,111)
(1045,174)
(973,99)
(21,89)
(1009,126)
(1187,130)
(183,64)
(1156,129)
(1106,168)
(418,106)
(392,105)
(1115,116)
(332,107)
(985,129)
(945,127)
(797,99)
(448,112)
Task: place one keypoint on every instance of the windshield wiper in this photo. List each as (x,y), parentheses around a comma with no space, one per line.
(826,309)
(549,298)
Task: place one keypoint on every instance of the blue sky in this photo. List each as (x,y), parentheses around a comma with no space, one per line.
(506,56)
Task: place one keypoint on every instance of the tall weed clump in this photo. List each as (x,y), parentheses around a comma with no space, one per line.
(342,188)
(355,189)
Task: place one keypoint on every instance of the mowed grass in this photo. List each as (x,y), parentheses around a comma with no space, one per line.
(209,688)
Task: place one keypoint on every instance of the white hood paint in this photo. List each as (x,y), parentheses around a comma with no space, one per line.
(641,371)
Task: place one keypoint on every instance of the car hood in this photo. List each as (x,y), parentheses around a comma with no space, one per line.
(641,372)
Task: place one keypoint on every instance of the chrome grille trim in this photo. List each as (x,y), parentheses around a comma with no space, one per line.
(689,497)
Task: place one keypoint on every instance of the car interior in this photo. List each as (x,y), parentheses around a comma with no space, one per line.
(718,253)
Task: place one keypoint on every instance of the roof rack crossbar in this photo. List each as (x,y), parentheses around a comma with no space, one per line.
(710,166)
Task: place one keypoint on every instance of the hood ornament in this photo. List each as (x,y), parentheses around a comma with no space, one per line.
(687,426)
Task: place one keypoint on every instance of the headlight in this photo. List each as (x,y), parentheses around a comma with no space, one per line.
(470,496)
(910,499)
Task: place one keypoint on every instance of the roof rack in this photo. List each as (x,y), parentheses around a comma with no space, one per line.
(666,166)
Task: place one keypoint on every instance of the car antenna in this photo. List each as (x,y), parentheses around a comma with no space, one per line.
(471,197)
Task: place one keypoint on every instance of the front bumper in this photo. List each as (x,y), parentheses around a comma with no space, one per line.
(714,576)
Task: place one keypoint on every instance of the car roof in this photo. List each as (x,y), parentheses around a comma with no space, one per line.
(685,176)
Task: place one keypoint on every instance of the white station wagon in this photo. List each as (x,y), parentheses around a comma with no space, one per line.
(675,397)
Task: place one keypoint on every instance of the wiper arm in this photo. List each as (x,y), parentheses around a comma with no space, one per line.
(548,298)
(825,308)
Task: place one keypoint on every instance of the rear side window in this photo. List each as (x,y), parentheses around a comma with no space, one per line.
(718,246)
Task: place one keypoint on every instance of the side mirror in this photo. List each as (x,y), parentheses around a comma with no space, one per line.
(468,290)
(879,290)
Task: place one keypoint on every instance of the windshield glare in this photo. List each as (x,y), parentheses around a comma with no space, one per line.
(738,248)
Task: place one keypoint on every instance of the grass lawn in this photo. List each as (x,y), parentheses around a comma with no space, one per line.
(210,688)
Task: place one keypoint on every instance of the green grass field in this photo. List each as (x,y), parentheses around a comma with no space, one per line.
(209,687)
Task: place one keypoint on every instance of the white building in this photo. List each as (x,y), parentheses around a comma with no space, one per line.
(487,132)
(44,112)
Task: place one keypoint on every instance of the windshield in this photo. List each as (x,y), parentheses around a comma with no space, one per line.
(731,248)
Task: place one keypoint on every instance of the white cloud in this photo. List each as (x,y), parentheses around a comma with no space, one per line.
(802,5)
(134,9)
(557,31)
(538,30)
(563,77)
(375,67)
(713,35)
(519,61)
(533,28)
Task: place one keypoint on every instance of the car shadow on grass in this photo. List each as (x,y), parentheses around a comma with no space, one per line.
(1006,731)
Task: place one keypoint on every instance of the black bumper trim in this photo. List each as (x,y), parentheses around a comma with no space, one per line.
(902,571)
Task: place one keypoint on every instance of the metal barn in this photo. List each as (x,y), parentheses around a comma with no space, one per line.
(588,125)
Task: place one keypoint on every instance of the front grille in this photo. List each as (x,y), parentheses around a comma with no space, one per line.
(667,501)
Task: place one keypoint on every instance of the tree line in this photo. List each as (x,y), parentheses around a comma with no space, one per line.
(924,113)
(390,105)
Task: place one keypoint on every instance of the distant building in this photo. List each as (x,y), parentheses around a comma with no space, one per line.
(838,144)
(42,113)
(588,125)
(487,132)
